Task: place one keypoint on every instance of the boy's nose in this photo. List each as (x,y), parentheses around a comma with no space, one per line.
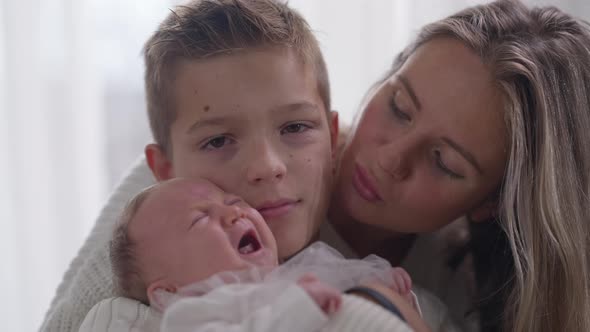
(266,166)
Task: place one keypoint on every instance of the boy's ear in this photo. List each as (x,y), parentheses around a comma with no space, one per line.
(154,287)
(485,211)
(158,162)
(333,122)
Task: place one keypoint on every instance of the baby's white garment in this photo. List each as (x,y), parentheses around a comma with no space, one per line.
(327,264)
(299,313)
(246,307)
(258,300)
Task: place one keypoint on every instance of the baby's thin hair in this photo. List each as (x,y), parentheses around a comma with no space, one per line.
(126,272)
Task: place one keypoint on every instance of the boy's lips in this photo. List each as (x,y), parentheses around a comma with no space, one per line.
(277,208)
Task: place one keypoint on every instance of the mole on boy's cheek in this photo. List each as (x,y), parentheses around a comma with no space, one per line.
(206,108)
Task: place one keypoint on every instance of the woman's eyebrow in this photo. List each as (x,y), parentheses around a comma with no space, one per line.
(406,83)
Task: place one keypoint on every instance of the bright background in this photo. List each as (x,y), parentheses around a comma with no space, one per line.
(72,113)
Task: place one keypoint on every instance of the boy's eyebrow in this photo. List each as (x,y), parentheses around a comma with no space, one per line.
(220,120)
(297,106)
(207,122)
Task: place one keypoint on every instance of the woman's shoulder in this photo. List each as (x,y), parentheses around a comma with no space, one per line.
(329,235)
(430,263)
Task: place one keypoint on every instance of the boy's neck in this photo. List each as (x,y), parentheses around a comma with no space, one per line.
(367,239)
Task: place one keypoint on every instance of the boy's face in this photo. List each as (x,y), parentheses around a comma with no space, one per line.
(188,230)
(254,124)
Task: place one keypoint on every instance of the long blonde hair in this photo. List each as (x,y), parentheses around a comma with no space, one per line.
(540,59)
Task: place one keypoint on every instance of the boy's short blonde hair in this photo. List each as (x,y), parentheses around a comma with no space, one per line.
(126,272)
(208,28)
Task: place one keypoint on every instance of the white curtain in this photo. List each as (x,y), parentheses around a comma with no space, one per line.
(52,159)
(72,114)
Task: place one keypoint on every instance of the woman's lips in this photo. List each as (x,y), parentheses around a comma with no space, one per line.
(364,184)
(277,208)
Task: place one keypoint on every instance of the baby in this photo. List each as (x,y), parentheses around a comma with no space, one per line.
(208,260)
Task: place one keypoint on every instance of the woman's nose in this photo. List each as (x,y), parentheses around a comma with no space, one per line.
(265,165)
(395,158)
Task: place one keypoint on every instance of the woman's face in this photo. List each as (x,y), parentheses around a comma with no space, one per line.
(430,145)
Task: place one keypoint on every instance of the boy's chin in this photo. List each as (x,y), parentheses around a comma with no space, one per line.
(290,248)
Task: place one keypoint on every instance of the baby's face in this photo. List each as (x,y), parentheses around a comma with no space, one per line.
(188,230)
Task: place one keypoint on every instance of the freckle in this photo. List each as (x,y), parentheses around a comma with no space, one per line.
(196,91)
(290,156)
(206,108)
(308,160)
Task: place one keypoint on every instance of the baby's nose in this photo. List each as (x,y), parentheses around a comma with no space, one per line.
(229,215)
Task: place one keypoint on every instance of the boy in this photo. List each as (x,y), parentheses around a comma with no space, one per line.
(237,93)
(184,231)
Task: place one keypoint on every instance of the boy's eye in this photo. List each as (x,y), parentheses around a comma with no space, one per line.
(441,165)
(217,142)
(294,128)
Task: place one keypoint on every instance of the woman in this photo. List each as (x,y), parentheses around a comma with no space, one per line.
(486,114)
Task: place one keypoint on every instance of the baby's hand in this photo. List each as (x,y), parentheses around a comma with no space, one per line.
(402,284)
(328,298)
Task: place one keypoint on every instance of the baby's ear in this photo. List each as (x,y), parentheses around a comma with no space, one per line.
(159,286)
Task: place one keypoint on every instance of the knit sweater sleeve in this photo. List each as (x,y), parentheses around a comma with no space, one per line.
(88,279)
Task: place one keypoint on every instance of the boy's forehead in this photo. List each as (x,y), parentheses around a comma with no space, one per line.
(271,76)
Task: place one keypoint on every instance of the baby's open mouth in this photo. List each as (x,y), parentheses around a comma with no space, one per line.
(249,243)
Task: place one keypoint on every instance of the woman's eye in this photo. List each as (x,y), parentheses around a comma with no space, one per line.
(294,128)
(441,165)
(397,111)
(217,143)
